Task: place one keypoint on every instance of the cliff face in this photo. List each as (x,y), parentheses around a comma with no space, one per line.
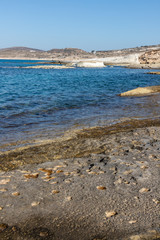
(150,57)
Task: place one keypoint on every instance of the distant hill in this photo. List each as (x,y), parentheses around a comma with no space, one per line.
(32,53)
(75,53)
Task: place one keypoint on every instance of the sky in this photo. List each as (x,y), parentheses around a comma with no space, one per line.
(85,24)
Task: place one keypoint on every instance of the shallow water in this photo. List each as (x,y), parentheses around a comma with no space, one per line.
(38,104)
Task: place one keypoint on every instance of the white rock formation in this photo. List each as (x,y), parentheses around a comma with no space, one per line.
(90,64)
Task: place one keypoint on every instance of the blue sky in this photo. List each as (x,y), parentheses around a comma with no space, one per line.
(85,24)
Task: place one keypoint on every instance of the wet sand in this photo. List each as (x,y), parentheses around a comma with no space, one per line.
(99,183)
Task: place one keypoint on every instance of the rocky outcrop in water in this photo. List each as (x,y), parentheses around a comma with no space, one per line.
(141,91)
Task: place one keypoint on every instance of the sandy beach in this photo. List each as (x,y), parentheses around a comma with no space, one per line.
(99,183)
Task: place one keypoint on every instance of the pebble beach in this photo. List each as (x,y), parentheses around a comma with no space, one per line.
(100,183)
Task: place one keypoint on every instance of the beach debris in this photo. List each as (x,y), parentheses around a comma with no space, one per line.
(33,175)
(15,194)
(110,214)
(101,188)
(143,190)
(1,208)
(34,204)
(55,191)
(132,221)
(3,226)
(5,181)
(3,190)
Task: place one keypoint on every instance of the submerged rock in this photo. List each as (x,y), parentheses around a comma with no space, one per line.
(141,91)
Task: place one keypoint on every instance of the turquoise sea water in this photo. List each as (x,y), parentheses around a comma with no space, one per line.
(43,103)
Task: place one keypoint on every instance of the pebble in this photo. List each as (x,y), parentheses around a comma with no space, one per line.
(101,188)
(3,190)
(54,183)
(33,175)
(143,190)
(69,198)
(59,171)
(15,194)
(34,204)
(1,208)
(144,167)
(132,221)
(55,191)
(5,181)
(110,214)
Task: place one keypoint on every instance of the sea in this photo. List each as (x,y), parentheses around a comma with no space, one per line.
(41,104)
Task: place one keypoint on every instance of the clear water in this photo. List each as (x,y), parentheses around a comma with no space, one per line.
(43,103)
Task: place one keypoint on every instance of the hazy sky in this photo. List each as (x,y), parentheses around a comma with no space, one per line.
(85,24)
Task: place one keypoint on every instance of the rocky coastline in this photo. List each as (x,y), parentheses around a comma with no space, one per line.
(140,57)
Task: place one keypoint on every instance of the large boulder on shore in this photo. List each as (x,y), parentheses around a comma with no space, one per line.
(141,91)
(88,64)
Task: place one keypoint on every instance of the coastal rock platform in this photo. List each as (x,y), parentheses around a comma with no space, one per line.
(102,183)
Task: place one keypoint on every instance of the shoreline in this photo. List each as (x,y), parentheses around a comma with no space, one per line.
(78,137)
(102,183)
